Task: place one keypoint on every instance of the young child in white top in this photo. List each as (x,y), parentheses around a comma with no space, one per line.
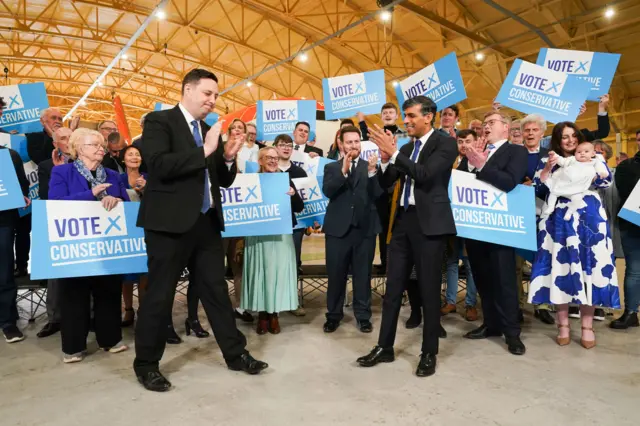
(574,177)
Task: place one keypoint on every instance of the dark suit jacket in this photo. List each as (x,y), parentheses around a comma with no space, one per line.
(39,146)
(431,174)
(110,162)
(296,172)
(505,169)
(68,184)
(297,205)
(9,217)
(347,201)
(176,170)
(604,127)
(44,175)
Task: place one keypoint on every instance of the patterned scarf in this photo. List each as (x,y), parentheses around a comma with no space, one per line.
(101,176)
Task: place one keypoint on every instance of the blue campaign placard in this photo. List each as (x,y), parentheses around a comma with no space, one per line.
(25,103)
(31,171)
(257,204)
(346,95)
(484,213)
(531,88)
(10,192)
(440,81)
(251,167)
(16,142)
(312,166)
(315,202)
(274,118)
(210,119)
(597,68)
(630,211)
(81,239)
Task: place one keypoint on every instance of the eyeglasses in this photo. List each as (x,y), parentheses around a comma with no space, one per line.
(109,129)
(252,133)
(96,146)
(271,158)
(492,122)
(285,145)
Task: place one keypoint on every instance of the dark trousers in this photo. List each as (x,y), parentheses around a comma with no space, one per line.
(298,234)
(192,296)
(75,305)
(383,212)
(168,255)
(8,286)
(23,241)
(408,247)
(494,272)
(353,253)
(413,292)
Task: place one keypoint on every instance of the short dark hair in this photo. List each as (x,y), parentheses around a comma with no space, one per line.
(454,108)
(3,104)
(113,137)
(427,106)
(462,134)
(304,123)
(197,74)
(389,105)
(349,129)
(556,136)
(283,138)
(346,121)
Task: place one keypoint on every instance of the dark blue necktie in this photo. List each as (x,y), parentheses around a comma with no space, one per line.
(407,183)
(206,202)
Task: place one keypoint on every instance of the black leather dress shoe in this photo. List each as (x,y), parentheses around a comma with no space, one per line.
(426,366)
(245,316)
(414,321)
(544,315)
(443,332)
(515,345)
(196,327)
(330,326)
(154,381)
(49,329)
(365,326)
(482,332)
(172,336)
(628,319)
(248,364)
(377,355)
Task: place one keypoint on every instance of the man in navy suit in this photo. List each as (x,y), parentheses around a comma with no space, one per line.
(424,221)
(350,225)
(181,214)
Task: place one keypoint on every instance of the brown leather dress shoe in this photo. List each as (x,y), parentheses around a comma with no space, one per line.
(274,324)
(470,313)
(447,309)
(263,323)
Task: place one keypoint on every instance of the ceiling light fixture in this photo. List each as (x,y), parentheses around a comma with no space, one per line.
(385,16)
(249,84)
(609,12)
(161,14)
(479,56)
(303,57)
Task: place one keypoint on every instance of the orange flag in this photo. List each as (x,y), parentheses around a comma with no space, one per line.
(121,120)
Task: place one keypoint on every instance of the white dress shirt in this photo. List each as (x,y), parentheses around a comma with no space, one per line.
(412,200)
(496,145)
(357,159)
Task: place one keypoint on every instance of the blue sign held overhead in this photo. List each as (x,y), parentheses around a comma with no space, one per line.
(346,95)
(10,192)
(81,239)
(315,202)
(25,103)
(594,67)
(280,117)
(484,213)
(440,81)
(257,204)
(531,88)
(17,143)
(210,119)
(312,166)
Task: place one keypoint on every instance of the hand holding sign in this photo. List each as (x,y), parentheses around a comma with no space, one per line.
(290,192)
(603,104)
(110,202)
(373,163)
(211,140)
(28,201)
(313,154)
(384,139)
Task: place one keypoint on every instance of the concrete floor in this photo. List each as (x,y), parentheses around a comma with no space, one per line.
(313,380)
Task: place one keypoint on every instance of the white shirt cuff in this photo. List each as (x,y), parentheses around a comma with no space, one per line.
(603,113)
(393,157)
(383,166)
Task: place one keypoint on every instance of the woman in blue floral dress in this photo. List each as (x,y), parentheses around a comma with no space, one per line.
(574,263)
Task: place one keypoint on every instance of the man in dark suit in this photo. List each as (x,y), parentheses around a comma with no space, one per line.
(424,221)
(301,139)
(181,214)
(113,160)
(350,226)
(504,166)
(8,288)
(59,156)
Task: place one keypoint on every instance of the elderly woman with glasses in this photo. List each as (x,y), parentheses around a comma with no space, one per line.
(270,279)
(85,179)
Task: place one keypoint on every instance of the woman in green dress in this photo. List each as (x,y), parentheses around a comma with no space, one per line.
(270,279)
